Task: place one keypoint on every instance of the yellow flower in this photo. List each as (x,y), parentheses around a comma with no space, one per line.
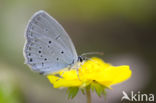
(91,71)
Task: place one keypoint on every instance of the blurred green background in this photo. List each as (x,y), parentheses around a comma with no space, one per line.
(125,30)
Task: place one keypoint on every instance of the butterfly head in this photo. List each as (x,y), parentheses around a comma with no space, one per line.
(81,58)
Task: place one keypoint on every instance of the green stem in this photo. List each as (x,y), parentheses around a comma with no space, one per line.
(88,95)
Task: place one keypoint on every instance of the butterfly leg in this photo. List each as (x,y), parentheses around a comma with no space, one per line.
(77,69)
(77,72)
(61,76)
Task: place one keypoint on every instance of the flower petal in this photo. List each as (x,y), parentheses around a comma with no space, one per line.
(92,70)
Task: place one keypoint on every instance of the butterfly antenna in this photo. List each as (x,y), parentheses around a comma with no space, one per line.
(91,53)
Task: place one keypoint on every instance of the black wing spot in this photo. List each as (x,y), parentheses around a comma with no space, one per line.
(46,29)
(45,59)
(31,34)
(62,52)
(31,59)
(49,42)
(57,59)
(39,51)
(42,64)
(29,54)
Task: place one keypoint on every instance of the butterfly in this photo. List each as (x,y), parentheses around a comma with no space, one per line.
(48,47)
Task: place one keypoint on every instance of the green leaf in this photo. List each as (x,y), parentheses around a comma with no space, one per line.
(72,92)
(100,89)
(83,91)
(104,94)
(92,87)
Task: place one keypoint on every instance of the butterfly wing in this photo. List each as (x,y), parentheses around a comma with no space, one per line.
(48,47)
